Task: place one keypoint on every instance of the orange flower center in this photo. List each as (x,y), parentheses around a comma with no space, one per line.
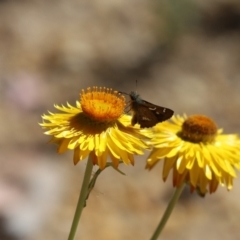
(198,128)
(102,104)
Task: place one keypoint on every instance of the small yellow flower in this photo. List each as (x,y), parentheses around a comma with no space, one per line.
(96,126)
(197,152)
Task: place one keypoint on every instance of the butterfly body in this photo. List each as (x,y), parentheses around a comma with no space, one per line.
(147,114)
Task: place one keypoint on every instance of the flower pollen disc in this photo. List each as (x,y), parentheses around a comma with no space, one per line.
(102,104)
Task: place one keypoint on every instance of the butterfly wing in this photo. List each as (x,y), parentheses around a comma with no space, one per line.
(161,113)
(147,114)
(144,117)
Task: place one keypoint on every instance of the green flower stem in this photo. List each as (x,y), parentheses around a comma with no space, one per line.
(82,198)
(168,212)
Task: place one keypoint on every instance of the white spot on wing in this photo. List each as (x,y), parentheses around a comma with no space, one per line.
(145,118)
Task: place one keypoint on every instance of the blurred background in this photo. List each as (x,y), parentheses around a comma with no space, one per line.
(184,54)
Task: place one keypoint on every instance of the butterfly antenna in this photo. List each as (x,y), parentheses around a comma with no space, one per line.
(136,85)
(123,93)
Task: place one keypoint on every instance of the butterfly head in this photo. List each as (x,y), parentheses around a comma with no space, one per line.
(135,97)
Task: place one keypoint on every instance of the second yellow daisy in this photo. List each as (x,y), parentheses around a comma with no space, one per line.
(197,153)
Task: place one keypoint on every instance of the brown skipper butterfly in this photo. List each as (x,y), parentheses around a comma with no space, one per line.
(145,113)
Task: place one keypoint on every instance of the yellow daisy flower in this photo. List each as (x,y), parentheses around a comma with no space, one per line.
(96,126)
(197,152)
